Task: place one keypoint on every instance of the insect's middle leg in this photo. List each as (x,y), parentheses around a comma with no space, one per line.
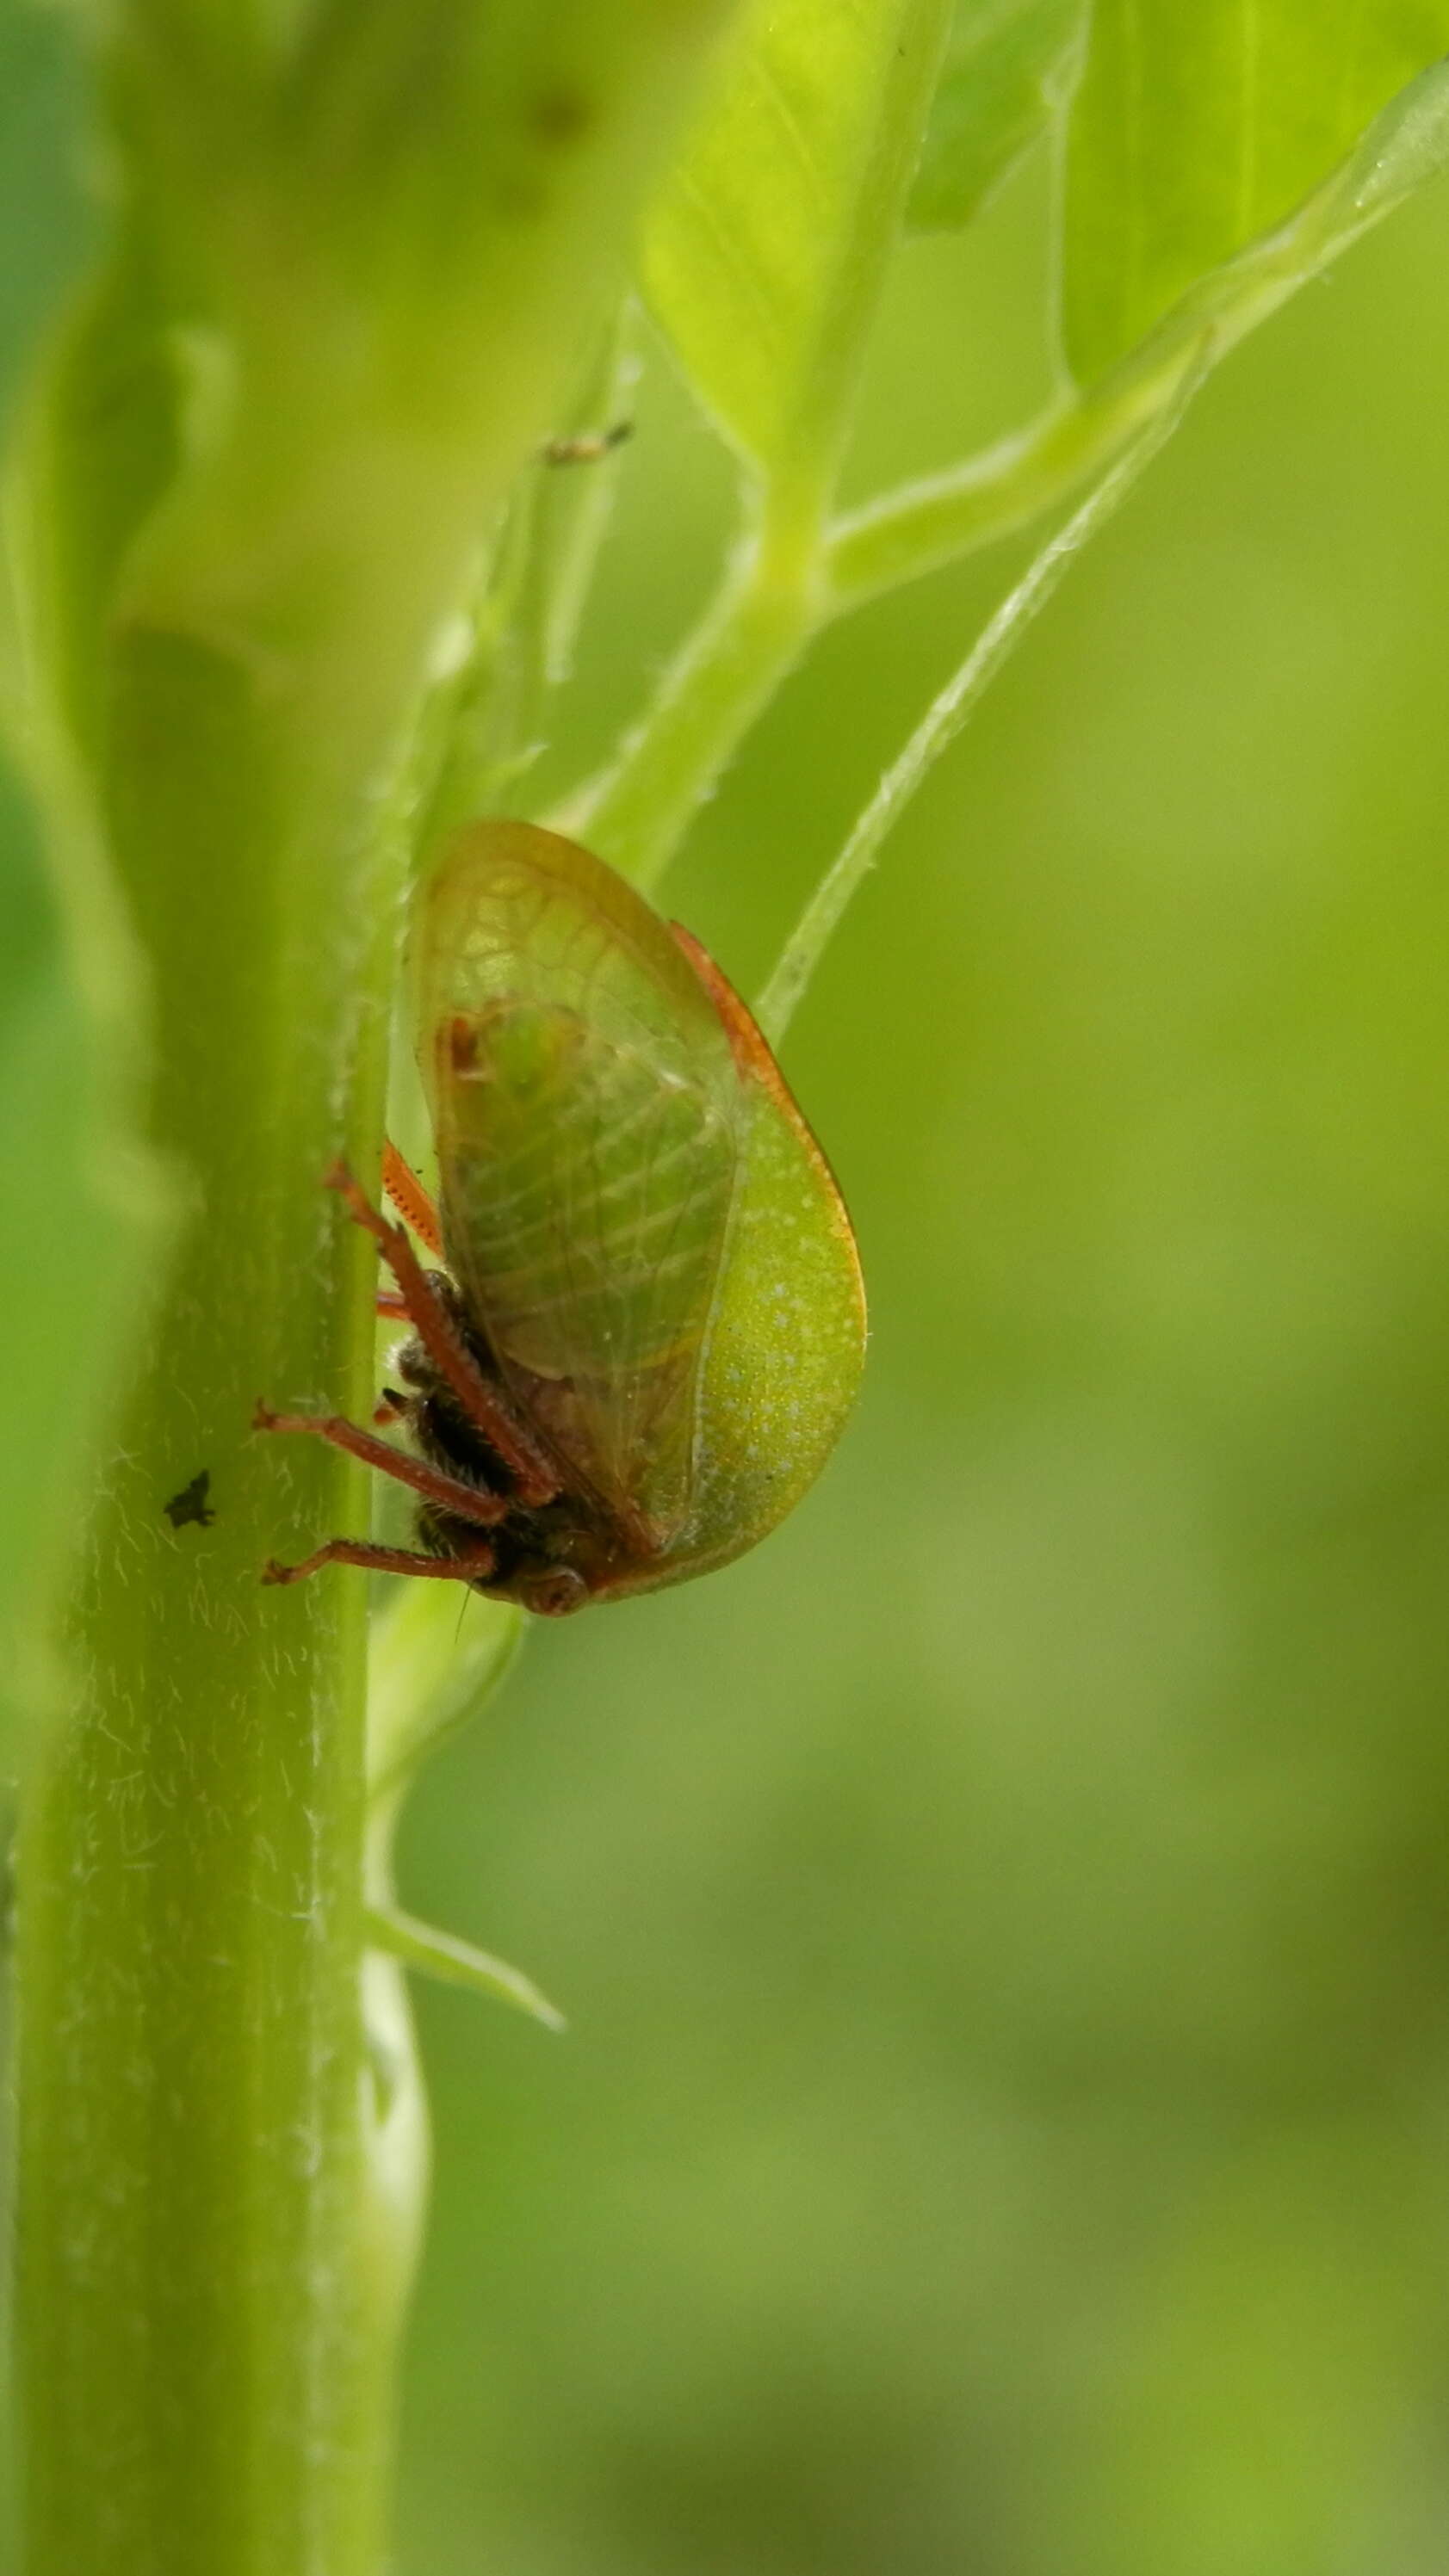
(476,1565)
(451,1493)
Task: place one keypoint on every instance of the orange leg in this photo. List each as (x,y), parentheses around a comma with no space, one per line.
(451,1493)
(384,1560)
(411,1199)
(388,1302)
(484,1405)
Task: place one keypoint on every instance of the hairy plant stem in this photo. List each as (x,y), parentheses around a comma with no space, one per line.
(985,498)
(724,677)
(206,2329)
(264,457)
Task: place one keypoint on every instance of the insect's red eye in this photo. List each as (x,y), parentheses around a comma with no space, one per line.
(462,1044)
(553,1595)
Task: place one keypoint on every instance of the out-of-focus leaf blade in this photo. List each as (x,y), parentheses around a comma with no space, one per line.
(45,216)
(430,1670)
(75,1199)
(1198,127)
(1005,62)
(769,240)
(79,1205)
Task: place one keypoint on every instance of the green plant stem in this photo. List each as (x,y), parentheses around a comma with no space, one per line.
(213,2256)
(192,2143)
(939,727)
(763,617)
(267,453)
(944,516)
(775,599)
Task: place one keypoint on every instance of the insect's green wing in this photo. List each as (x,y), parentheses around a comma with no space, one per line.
(589,1121)
(786,1343)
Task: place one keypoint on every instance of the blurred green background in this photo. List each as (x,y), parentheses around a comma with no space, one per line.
(1005,1921)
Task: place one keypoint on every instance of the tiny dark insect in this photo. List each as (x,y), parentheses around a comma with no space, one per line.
(651,1326)
(191,1503)
(589,447)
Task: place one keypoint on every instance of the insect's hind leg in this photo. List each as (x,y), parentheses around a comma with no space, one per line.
(478,1562)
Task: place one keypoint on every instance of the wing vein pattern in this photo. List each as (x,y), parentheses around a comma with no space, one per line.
(590,1125)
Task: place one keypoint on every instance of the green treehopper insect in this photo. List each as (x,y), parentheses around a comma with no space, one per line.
(651,1325)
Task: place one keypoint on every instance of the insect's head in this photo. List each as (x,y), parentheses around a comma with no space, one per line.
(551,1592)
(551,1561)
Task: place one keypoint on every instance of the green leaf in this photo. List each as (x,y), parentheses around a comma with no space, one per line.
(1199,127)
(453,1962)
(765,253)
(1005,62)
(430,1670)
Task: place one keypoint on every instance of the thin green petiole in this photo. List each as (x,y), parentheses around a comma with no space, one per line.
(942,722)
(776,597)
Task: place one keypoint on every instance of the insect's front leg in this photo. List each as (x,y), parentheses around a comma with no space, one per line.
(452,1493)
(533,1471)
